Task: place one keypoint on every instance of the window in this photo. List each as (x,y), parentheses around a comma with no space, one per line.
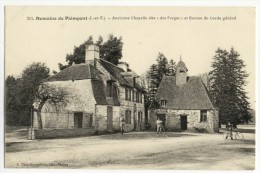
(128,116)
(203,115)
(141,99)
(109,88)
(133,97)
(163,103)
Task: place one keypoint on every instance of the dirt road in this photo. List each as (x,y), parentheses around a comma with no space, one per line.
(136,150)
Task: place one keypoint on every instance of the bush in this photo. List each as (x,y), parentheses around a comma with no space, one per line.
(200,130)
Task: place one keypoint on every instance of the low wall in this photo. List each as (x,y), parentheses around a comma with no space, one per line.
(60,133)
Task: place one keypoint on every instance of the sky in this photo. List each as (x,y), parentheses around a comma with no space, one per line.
(195,40)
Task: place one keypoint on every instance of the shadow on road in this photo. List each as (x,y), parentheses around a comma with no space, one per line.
(239,130)
(142,135)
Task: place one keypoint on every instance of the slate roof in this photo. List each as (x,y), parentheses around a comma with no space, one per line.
(114,72)
(192,95)
(98,92)
(137,85)
(76,72)
(88,71)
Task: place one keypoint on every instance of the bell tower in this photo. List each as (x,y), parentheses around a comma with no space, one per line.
(181,73)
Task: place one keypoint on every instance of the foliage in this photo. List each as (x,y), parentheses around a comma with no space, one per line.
(56,96)
(31,79)
(228,79)
(157,71)
(205,77)
(111,51)
(11,108)
(21,92)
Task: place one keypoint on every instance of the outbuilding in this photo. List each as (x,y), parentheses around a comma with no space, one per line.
(183,103)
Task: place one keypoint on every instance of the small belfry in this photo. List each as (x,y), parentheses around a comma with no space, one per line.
(181,73)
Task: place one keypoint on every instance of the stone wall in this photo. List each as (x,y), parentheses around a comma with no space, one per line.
(152,118)
(116,118)
(134,107)
(63,120)
(79,99)
(61,133)
(101,118)
(173,119)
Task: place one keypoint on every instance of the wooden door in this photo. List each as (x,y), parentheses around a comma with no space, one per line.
(78,119)
(109,118)
(183,122)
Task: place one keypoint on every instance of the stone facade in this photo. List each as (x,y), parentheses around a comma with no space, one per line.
(134,107)
(80,99)
(173,119)
(88,107)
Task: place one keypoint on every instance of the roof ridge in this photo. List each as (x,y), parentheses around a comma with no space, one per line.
(75,72)
(108,62)
(116,70)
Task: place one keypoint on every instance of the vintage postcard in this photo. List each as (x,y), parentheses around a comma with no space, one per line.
(130,87)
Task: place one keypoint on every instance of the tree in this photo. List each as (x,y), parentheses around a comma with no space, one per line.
(11,110)
(162,64)
(171,68)
(205,77)
(157,71)
(111,51)
(32,77)
(21,92)
(228,79)
(56,96)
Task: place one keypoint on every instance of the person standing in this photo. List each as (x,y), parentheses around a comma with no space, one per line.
(159,126)
(230,129)
(122,124)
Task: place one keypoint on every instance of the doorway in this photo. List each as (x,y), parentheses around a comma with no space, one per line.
(184,122)
(162,118)
(78,120)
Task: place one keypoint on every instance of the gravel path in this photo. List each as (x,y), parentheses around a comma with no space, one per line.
(135,150)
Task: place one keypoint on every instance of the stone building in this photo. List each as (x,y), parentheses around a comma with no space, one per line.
(183,103)
(98,93)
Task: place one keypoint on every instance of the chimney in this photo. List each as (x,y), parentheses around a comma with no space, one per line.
(92,52)
(123,65)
